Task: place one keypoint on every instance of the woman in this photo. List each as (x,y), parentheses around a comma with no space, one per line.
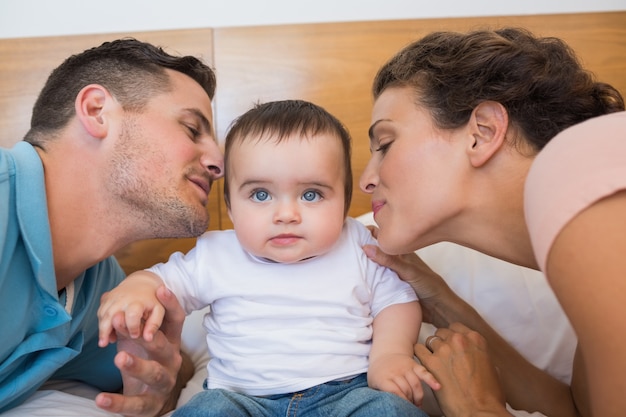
(459,127)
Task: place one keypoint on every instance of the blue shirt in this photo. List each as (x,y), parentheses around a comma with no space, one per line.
(39,339)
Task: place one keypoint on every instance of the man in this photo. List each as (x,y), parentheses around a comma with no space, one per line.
(121,148)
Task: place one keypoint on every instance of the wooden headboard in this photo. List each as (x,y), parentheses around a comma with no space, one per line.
(330,64)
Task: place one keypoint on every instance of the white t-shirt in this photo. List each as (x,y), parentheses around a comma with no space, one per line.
(278,328)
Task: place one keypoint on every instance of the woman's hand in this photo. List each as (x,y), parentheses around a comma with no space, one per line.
(430,288)
(526,386)
(460,361)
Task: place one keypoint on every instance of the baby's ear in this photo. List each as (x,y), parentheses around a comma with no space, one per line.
(488,124)
(90,109)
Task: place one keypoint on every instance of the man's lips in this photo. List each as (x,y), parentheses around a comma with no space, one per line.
(204,185)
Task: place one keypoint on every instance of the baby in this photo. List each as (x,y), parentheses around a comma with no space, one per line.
(299,317)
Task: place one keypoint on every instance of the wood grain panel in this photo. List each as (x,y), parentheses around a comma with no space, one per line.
(333,64)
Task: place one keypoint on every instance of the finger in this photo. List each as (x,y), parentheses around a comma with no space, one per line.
(470,335)
(414,385)
(134,315)
(431,340)
(161,352)
(392,387)
(431,369)
(460,328)
(149,372)
(374,253)
(125,405)
(423,354)
(405,387)
(136,369)
(118,321)
(174,315)
(451,337)
(105,327)
(153,323)
(444,333)
(105,331)
(373,230)
(105,339)
(407,392)
(424,375)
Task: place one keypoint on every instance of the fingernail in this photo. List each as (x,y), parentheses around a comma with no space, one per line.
(105,401)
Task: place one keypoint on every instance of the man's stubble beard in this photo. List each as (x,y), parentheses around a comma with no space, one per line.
(154,210)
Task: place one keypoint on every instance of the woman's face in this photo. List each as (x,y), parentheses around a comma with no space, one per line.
(416,174)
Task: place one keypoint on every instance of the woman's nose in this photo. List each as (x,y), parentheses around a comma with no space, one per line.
(369,178)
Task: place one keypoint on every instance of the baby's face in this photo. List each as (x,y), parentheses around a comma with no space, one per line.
(287,199)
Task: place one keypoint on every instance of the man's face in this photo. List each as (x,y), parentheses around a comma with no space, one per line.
(165,161)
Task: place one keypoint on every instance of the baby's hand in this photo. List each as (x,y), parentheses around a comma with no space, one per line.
(131,307)
(400,375)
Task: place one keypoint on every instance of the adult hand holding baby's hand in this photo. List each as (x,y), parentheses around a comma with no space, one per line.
(132,307)
(400,375)
(150,369)
(459,358)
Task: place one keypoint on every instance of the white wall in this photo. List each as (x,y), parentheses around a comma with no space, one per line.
(27,18)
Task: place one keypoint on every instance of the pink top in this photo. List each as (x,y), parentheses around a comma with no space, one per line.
(578,167)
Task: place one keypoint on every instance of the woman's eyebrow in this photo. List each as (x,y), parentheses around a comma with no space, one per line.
(370,132)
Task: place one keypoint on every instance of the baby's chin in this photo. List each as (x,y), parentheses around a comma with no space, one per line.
(287,260)
(286,257)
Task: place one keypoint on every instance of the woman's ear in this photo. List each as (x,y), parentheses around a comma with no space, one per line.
(488,123)
(90,109)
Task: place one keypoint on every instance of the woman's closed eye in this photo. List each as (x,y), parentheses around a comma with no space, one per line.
(383,148)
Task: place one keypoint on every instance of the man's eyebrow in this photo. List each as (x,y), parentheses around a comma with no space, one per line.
(206,124)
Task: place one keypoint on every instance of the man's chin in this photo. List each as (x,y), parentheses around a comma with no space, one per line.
(184,229)
(199,227)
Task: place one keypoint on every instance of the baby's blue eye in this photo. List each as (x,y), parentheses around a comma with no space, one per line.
(260,195)
(311,195)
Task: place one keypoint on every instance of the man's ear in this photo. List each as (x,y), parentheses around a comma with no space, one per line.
(90,109)
(488,124)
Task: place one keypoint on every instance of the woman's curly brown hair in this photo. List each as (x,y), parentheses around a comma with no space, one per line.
(539,81)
